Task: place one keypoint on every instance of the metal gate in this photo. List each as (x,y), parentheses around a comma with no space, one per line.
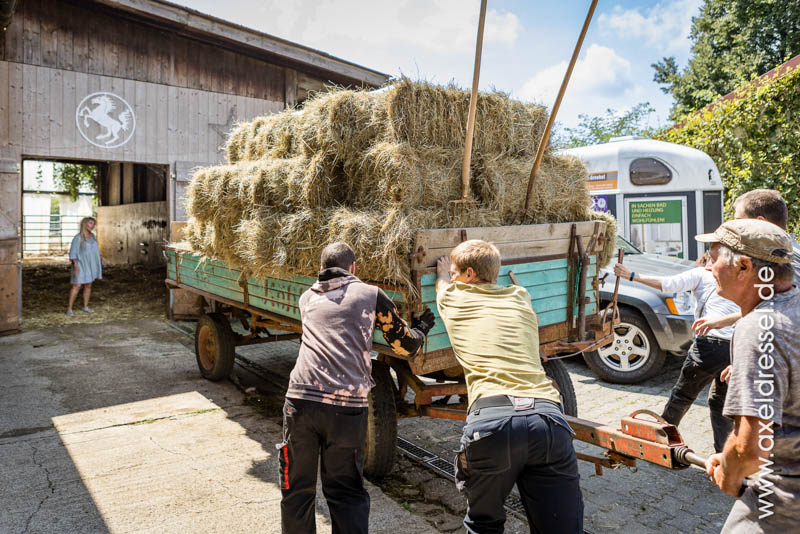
(48,234)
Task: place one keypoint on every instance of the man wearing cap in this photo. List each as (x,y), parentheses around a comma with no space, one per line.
(752,267)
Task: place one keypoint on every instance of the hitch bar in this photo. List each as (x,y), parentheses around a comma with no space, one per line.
(656,442)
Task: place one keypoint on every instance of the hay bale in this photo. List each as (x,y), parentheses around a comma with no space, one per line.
(346,123)
(370,169)
(430,178)
(609,250)
(423,114)
(398,174)
(270,136)
(559,194)
(343,122)
(230,192)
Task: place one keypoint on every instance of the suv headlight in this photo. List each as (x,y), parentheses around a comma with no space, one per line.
(682,303)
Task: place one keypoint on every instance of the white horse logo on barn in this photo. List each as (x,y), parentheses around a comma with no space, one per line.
(105,120)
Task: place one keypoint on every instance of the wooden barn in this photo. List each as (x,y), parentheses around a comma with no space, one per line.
(145,90)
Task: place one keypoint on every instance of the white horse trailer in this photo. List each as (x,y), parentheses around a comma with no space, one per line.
(662,194)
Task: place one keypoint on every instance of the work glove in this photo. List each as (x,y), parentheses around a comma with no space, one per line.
(424,322)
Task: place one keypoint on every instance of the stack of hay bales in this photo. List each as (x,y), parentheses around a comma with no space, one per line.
(371,168)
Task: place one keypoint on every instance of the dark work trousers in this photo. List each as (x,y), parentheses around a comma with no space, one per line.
(532,448)
(336,434)
(706,359)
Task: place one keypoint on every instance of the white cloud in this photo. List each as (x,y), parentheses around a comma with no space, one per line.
(437,25)
(601,73)
(665,26)
(500,27)
(601,79)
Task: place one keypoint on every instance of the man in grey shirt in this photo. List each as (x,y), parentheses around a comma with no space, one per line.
(325,412)
(753,268)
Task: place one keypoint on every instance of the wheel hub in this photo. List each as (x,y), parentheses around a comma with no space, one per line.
(629,351)
(206,347)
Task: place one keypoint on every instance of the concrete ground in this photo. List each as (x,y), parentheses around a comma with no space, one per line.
(109,428)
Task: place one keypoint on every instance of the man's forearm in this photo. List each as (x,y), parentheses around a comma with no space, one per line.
(741,454)
(625,273)
(652,281)
(403,339)
(728,320)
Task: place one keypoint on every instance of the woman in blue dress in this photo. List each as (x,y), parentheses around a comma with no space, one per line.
(86,265)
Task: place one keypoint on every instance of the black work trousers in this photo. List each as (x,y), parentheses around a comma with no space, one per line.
(706,359)
(336,435)
(533,449)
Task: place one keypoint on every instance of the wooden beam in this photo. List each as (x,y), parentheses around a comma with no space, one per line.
(127,196)
(512,241)
(290,91)
(192,21)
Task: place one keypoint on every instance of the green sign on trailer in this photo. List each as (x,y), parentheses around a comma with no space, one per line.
(655,212)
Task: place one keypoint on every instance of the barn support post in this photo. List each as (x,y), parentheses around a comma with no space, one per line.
(10,245)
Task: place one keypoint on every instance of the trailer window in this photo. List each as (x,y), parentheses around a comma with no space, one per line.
(649,171)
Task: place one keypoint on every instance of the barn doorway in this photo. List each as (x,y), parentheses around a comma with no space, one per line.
(55,197)
(129,202)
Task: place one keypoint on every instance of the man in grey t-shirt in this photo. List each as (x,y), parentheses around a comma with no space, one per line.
(752,266)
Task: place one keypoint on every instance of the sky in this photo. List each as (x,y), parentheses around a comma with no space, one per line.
(527,43)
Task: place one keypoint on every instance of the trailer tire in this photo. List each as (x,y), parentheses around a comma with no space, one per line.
(214,346)
(556,370)
(632,331)
(381,445)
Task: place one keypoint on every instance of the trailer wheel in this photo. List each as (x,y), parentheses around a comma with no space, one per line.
(634,355)
(556,370)
(381,443)
(214,346)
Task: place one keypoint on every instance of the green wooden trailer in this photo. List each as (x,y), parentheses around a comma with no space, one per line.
(557,263)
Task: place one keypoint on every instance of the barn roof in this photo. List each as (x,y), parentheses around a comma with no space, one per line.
(197,25)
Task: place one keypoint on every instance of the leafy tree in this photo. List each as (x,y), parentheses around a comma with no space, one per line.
(594,130)
(39,176)
(733,42)
(753,139)
(70,177)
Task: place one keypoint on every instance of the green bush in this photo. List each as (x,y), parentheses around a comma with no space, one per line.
(754,139)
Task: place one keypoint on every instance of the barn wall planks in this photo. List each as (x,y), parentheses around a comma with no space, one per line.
(166,129)
(57,34)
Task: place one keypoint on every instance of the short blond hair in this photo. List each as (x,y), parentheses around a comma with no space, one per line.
(482,256)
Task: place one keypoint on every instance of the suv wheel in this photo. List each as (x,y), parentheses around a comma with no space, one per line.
(633,356)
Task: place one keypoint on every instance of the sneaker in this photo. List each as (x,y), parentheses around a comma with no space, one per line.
(69,313)
(87,309)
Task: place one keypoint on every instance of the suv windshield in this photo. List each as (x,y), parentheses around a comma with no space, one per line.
(627,246)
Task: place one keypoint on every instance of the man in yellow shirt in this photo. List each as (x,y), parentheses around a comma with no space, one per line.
(515,432)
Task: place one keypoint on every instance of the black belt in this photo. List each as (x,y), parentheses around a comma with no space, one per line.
(503,400)
(712,339)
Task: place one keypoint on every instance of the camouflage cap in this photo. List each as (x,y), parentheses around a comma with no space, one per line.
(753,238)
